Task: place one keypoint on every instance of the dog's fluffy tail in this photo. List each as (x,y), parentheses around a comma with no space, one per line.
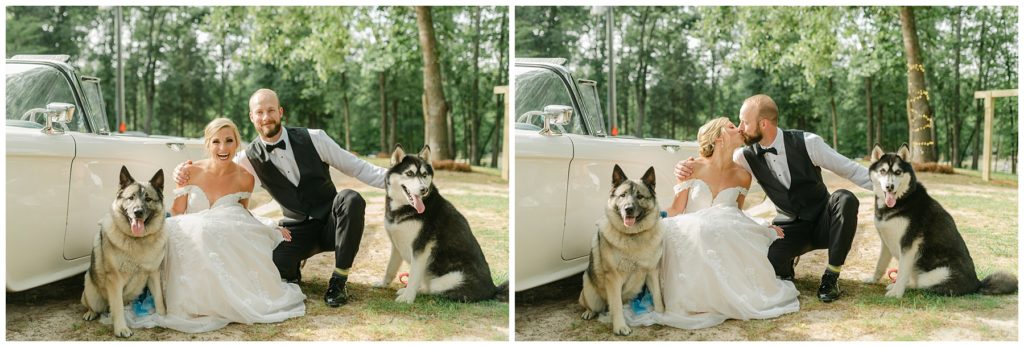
(999,283)
(501,293)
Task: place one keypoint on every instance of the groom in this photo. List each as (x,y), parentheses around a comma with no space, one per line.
(292,165)
(787,164)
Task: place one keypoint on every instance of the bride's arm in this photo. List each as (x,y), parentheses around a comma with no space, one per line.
(681,198)
(745,179)
(247,183)
(181,201)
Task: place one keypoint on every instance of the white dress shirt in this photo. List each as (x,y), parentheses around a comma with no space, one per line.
(821,155)
(330,152)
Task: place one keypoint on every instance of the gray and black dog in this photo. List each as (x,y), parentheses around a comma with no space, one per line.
(625,254)
(427,232)
(128,252)
(921,235)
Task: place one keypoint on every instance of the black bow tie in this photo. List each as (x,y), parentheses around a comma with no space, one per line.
(271,148)
(761,151)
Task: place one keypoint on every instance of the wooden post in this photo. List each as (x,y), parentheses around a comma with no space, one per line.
(503,90)
(990,105)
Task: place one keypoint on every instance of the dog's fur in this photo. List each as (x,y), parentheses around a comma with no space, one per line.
(626,251)
(922,235)
(128,252)
(427,232)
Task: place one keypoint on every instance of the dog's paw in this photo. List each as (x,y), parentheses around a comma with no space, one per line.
(407,299)
(381,284)
(588,314)
(890,286)
(894,293)
(90,315)
(123,332)
(623,330)
(869,279)
(400,292)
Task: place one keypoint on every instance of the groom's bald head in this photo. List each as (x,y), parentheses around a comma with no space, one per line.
(763,107)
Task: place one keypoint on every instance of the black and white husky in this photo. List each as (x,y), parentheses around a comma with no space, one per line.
(922,235)
(427,232)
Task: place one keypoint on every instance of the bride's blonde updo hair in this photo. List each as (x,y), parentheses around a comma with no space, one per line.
(710,132)
(215,125)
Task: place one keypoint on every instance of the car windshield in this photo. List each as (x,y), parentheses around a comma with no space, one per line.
(32,86)
(537,88)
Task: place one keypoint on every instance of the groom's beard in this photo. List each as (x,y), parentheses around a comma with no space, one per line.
(752,139)
(273,131)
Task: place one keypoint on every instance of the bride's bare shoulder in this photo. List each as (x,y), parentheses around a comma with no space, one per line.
(245,180)
(742,176)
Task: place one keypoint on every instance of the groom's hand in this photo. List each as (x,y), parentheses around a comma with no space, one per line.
(684,169)
(287,234)
(778,230)
(181,172)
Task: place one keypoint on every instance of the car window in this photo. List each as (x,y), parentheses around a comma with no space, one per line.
(94,103)
(31,86)
(537,88)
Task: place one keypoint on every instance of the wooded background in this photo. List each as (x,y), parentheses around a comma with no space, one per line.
(357,72)
(840,72)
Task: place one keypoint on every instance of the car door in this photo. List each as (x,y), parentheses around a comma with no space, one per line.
(95,179)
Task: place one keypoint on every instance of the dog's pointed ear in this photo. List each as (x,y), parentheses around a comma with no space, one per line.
(126,178)
(904,152)
(425,153)
(158,180)
(877,153)
(397,155)
(617,176)
(649,179)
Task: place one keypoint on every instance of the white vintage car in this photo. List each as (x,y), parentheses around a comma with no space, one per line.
(563,168)
(62,168)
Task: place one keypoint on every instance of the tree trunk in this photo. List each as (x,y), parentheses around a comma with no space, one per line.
(922,143)
(832,101)
(347,116)
(392,121)
(643,58)
(382,81)
(980,84)
(150,72)
(474,111)
(498,98)
(437,106)
(870,127)
(956,117)
(879,120)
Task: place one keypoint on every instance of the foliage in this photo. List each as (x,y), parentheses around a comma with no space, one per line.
(206,61)
(706,60)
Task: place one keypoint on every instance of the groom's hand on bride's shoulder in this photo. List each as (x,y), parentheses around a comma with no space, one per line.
(684,168)
(181,172)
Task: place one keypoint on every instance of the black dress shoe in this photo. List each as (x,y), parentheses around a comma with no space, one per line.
(829,289)
(336,294)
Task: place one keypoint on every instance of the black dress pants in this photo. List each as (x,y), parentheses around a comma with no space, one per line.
(340,233)
(833,230)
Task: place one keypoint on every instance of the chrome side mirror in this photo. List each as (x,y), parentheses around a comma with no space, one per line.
(58,112)
(556,114)
(55,112)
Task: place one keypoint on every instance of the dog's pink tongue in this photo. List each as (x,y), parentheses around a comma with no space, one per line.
(138,227)
(417,203)
(890,199)
(629,221)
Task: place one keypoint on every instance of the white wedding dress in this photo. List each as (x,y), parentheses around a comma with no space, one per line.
(219,269)
(715,265)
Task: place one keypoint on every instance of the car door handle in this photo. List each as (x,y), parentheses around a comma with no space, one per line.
(670,148)
(176,146)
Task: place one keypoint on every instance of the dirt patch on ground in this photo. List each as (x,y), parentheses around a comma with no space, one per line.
(53,312)
(551,312)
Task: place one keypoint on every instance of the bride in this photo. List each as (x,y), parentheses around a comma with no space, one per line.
(219,267)
(715,265)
